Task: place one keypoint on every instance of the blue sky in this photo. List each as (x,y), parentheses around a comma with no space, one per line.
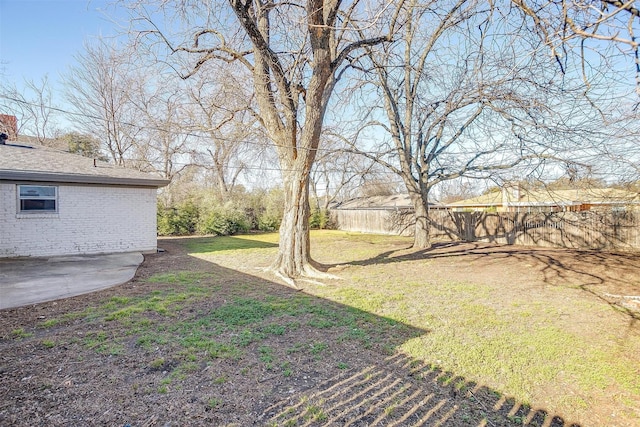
(40,37)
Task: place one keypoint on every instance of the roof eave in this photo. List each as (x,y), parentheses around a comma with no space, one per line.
(8,175)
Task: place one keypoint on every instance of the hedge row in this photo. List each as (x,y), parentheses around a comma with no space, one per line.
(209,217)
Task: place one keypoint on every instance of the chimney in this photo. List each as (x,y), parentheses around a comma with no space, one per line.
(9,126)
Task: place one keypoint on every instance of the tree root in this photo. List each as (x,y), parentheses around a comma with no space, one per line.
(289,281)
(312,272)
(309,274)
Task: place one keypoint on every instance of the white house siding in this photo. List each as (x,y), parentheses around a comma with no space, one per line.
(90,220)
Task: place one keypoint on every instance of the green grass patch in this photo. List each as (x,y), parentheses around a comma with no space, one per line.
(273,329)
(163,302)
(88,314)
(243,311)
(48,343)
(50,323)
(116,302)
(286,369)
(357,334)
(266,356)
(21,333)
(221,380)
(513,349)
(314,413)
(232,243)
(187,368)
(247,337)
(179,277)
(296,348)
(318,347)
(210,347)
(157,363)
(101,343)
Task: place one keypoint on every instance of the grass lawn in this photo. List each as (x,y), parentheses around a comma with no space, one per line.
(545,341)
(461,334)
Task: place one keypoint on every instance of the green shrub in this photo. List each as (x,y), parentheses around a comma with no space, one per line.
(268,223)
(320,218)
(316,219)
(207,213)
(178,221)
(223,221)
(270,216)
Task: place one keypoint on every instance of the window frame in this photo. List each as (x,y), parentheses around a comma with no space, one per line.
(21,198)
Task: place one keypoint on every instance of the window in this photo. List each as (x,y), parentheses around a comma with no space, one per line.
(37,198)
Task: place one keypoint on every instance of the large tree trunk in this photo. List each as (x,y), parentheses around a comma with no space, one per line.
(422,233)
(281,95)
(293,258)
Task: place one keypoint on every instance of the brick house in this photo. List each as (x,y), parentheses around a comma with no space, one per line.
(56,203)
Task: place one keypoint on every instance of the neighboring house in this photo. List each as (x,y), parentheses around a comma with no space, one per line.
(514,199)
(56,203)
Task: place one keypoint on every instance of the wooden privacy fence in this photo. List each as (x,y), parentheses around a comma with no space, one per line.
(379,221)
(611,230)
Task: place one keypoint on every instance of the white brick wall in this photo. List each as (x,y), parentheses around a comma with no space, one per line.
(90,220)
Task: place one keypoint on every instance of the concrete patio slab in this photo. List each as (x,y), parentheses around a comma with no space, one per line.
(25,281)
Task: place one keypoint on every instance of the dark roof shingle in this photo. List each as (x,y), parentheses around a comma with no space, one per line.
(38,163)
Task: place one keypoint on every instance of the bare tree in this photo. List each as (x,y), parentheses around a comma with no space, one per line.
(466,92)
(222,115)
(150,119)
(588,29)
(296,52)
(98,88)
(162,144)
(32,106)
(599,41)
(339,173)
(455,190)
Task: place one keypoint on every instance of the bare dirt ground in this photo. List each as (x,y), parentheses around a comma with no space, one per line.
(57,368)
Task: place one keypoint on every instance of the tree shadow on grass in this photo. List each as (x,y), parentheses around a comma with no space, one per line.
(401,391)
(200,344)
(608,276)
(376,385)
(381,386)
